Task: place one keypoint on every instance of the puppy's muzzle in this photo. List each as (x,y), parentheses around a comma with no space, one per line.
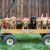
(44,24)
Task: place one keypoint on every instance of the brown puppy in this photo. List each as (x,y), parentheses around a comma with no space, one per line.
(7,20)
(38,23)
(25,22)
(13,22)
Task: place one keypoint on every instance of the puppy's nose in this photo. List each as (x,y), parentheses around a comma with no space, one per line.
(26,23)
(13,22)
(33,22)
(44,22)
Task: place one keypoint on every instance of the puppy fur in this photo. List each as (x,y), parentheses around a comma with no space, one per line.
(13,22)
(48,23)
(44,21)
(25,22)
(7,22)
(38,23)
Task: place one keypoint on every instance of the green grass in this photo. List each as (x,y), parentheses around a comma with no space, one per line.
(26,42)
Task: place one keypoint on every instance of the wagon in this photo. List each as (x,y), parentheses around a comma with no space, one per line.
(8,37)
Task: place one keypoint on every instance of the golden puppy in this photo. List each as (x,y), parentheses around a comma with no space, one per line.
(38,23)
(7,20)
(13,22)
(25,22)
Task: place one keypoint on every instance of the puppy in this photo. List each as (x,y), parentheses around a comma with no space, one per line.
(48,22)
(38,23)
(44,21)
(33,22)
(6,21)
(13,22)
(19,23)
(25,24)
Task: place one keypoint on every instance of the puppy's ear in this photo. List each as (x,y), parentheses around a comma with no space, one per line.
(46,15)
(42,15)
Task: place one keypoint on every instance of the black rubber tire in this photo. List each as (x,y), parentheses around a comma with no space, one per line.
(7,37)
(44,38)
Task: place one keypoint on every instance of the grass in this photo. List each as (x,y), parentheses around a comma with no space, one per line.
(26,42)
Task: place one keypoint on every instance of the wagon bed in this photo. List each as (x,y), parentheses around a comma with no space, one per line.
(25,31)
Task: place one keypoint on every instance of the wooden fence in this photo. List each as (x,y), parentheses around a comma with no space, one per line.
(26,8)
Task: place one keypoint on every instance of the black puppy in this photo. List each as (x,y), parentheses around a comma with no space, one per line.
(19,24)
(33,22)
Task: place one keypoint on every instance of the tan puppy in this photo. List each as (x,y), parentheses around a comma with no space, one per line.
(49,22)
(13,22)
(44,21)
(38,23)
(7,20)
(25,22)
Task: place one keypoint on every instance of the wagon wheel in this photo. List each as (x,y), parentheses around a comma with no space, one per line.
(46,39)
(9,39)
